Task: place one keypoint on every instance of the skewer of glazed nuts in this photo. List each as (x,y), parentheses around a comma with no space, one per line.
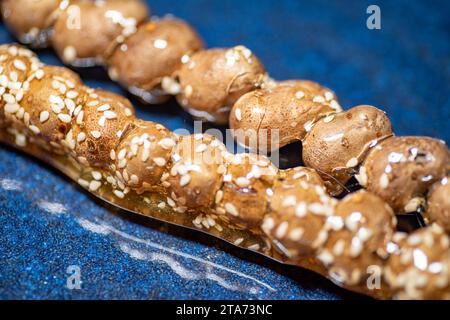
(151,58)
(49,107)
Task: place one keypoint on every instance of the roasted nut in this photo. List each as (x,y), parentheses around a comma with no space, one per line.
(359,232)
(273,117)
(48,105)
(245,194)
(296,222)
(135,155)
(98,126)
(30,20)
(401,169)
(212,80)
(419,265)
(439,203)
(16,63)
(87,31)
(152,54)
(337,144)
(196,173)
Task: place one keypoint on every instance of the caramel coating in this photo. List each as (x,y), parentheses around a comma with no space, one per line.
(337,144)
(439,203)
(359,232)
(87,31)
(212,80)
(50,103)
(401,170)
(154,52)
(419,266)
(98,127)
(244,196)
(289,107)
(296,222)
(197,171)
(29,20)
(134,159)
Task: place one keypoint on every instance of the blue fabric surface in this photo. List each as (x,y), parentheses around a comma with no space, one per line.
(48,224)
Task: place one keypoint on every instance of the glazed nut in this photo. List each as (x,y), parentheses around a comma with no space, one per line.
(212,80)
(439,203)
(359,232)
(196,172)
(337,144)
(34,30)
(245,194)
(86,32)
(152,54)
(401,170)
(418,267)
(296,222)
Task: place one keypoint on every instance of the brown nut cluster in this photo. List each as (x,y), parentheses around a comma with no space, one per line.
(338,143)
(297,220)
(196,173)
(401,170)
(86,32)
(30,20)
(140,154)
(359,232)
(244,196)
(98,127)
(280,114)
(439,203)
(212,80)
(418,267)
(151,55)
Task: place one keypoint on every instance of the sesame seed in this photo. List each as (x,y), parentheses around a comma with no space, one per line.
(43,116)
(325,257)
(103,107)
(238,114)
(94,185)
(160,44)
(242,182)
(308,126)
(238,241)
(281,230)
(97,175)
(9,98)
(64,117)
(119,194)
(35,129)
(319,99)
(329,96)
(188,91)
(160,162)
(71,94)
(102,121)
(185,179)
(353,162)
(110,115)
(301,210)
(231,209)
(384,181)
(39,74)
(80,117)
(81,137)
(11,108)
(299,95)
(92,103)
(20,65)
(328,118)
(296,234)
(219,196)
(289,201)
(96,134)
(161,205)
(167,143)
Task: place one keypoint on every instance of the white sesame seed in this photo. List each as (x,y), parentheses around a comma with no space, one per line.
(242,182)
(299,95)
(281,230)
(11,108)
(92,103)
(71,94)
(19,64)
(160,162)
(301,210)
(160,44)
(64,117)
(97,175)
(167,143)
(219,196)
(103,107)
(102,121)
(35,129)
(296,234)
(319,99)
(353,162)
(119,194)
(231,209)
(9,98)
(328,118)
(185,179)
(384,181)
(329,96)
(289,201)
(161,205)
(39,74)
(96,134)
(94,185)
(238,114)
(43,116)
(110,115)
(81,137)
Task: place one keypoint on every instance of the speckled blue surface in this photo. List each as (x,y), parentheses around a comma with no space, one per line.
(48,224)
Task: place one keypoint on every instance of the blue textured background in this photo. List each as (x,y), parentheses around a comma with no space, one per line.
(48,224)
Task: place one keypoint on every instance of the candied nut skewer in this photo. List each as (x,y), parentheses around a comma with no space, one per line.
(50,108)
